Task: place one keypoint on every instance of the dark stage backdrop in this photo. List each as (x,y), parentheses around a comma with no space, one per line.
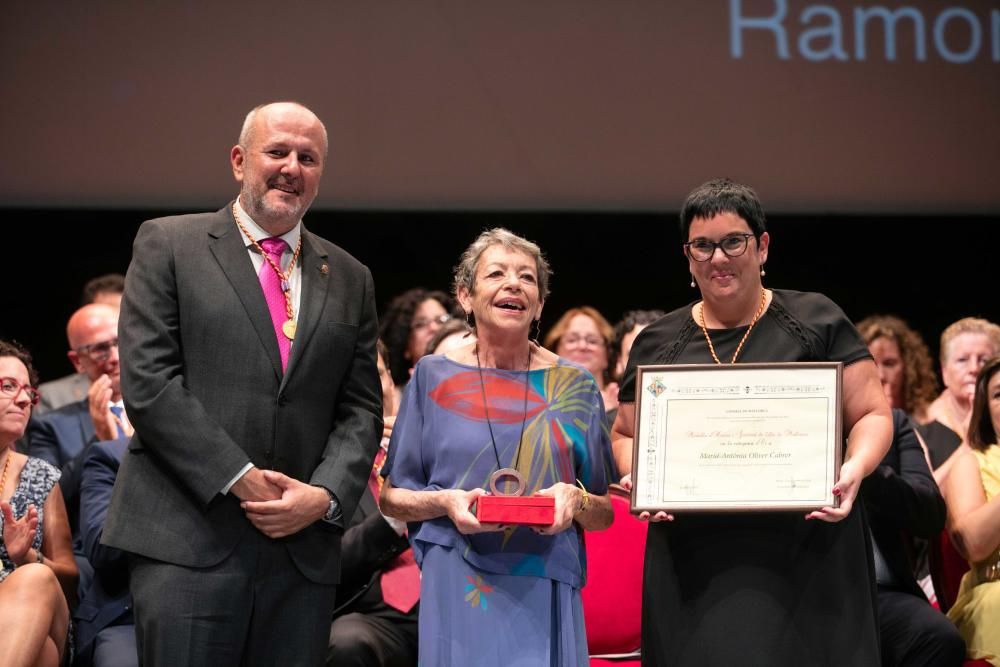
(929,270)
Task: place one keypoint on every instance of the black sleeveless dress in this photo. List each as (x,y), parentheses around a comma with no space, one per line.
(765,589)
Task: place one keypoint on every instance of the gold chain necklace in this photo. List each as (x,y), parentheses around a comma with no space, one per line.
(288,328)
(704,329)
(3,478)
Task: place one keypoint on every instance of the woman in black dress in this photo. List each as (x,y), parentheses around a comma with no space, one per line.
(762,588)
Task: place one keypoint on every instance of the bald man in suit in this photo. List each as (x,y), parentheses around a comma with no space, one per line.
(248,348)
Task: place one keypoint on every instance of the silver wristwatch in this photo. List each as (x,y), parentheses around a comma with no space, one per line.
(331,509)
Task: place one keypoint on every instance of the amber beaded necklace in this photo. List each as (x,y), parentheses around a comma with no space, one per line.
(708,339)
(3,477)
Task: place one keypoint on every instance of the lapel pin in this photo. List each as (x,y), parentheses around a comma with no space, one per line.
(324,269)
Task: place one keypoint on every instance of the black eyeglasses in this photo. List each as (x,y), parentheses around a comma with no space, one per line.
(10,388)
(98,352)
(702,250)
(424,322)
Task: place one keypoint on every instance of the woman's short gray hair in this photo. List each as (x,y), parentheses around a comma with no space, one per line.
(465,272)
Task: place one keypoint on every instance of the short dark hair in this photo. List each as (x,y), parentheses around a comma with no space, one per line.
(394,328)
(11,348)
(982,434)
(722,195)
(110,283)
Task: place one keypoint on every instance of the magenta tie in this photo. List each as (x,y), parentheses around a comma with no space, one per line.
(275,296)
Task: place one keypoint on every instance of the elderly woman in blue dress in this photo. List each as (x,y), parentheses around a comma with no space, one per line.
(36,556)
(492,594)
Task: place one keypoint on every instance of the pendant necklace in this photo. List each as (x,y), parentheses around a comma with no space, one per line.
(289,326)
(501,471)
(704,329)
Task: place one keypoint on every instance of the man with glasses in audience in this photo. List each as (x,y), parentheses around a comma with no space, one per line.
(60,436)
(105,289)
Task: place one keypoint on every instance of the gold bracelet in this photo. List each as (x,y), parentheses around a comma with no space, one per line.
(585,500)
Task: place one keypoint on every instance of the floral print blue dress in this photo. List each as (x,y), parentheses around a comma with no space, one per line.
(511,597)
(34,484)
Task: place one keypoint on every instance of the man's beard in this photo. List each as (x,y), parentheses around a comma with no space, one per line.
(262,211)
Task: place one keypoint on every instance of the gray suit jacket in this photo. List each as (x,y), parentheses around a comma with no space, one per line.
(203,386)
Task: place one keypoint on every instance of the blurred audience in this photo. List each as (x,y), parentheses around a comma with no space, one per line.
(106,289)
(62,436)
(965,347)
(375,624)
(105,626)
(903,501)
(454,333)
(907,376)
(408,323)
(974,520)
(584,336)
(37,571)
(626,330)
(904,364)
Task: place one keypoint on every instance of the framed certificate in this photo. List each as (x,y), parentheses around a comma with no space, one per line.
(739,437)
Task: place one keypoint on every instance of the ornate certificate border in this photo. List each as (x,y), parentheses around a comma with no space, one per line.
(741,437)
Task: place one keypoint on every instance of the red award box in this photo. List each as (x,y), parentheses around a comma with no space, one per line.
(516,510)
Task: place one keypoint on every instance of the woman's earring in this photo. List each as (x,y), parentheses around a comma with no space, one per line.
(470,319)
(692,281)
(762,271)
(537,326)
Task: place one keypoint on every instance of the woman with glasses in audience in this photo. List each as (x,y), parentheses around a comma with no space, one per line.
(410,320)
(775,588)
(37,570)
(582,335)
(973,497)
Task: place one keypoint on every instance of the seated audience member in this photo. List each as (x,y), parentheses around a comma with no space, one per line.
(454,333)
(965,347)
(409,321)
(105,289)
(902,498)
(904,363)
(907,376)
(375,622)
(582,335)
(105,628)
(61,437)
(974,521)
(626,330)
(36,558)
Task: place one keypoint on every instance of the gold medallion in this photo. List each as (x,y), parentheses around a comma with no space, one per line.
(288,328)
